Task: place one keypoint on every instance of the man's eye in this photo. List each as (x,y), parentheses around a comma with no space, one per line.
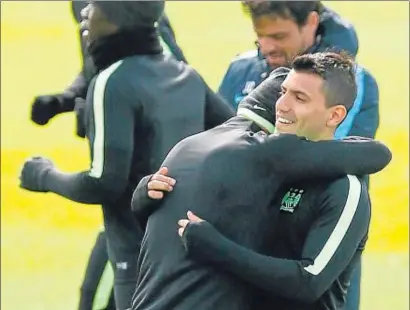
(298,98)
(279,36)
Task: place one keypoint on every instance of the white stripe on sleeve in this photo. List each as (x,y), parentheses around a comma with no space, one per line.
(340,229)
(97,165)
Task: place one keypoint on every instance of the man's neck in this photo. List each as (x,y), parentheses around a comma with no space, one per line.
(324,136)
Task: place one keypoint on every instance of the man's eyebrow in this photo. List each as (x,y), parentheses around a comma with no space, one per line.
(296,92)
(300,92)
(277,34)
(271,35)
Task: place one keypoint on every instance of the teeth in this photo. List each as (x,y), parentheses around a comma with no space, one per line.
(285,121)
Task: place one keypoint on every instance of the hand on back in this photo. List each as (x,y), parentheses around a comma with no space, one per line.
(160,183)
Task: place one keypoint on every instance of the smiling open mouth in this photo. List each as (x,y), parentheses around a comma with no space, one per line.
(284,121)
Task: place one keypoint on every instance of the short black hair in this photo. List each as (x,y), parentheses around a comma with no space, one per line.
(337,71)
(298,11)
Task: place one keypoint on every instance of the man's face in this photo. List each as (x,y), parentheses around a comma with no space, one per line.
(95,24)
(280,39)
(302,109)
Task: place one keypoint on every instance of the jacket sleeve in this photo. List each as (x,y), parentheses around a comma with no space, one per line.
(363,119)
(111,138)
(341,225)
(217,110)
(77,89)
(297,158)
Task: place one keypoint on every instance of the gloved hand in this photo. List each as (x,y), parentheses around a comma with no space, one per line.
(262,99)
(46,107)
(34,172)
(79,109)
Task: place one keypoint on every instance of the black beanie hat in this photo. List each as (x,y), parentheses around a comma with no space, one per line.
(132,14)
(262,100)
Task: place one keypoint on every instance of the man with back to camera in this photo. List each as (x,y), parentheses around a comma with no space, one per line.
(131,124)
(229,176)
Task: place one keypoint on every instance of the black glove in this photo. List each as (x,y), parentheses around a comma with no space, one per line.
(199,237)
(262,99)
(46,107)
(34,172)
(79,109)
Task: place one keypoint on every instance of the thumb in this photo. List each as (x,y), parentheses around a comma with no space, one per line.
(193,218)
(163,171)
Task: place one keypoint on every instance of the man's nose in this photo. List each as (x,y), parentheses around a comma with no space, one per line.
(267,44)
(84,12)
(283,104)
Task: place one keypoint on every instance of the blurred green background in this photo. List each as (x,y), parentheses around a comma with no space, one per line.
(45,240)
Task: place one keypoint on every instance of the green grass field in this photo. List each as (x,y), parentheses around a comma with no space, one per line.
(45,240)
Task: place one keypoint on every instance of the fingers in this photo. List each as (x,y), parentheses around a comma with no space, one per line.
(182,224)
(155,195)
(181,231)
(163,171)
(193,218)
(160,183)
(163,179)
(156,185)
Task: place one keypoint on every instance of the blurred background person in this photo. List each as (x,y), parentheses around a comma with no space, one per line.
(139,105)
(45,107)
(284,29)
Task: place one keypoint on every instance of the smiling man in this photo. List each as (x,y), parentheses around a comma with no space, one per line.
(285,29)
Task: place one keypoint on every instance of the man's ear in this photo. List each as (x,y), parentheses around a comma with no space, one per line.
(312,22)
(336,115)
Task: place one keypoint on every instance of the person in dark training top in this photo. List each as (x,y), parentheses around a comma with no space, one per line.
(139,105)
(46,106)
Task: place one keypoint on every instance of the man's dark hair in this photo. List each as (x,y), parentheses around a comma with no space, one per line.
(338,73)
(298,11)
